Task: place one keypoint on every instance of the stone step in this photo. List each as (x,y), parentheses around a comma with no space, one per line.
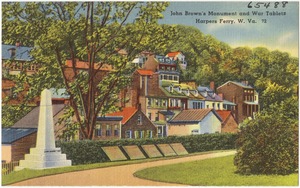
(42,164)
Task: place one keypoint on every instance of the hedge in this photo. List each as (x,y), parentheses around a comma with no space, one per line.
(89,151)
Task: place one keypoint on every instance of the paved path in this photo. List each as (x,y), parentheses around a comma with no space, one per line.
(113,176)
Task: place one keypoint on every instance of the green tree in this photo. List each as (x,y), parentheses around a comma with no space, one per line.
(269,143)
(94,32)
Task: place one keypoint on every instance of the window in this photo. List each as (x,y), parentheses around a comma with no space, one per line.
(108,130)
(176,78)
(142,134)
(149,134)
(170,78)
(149,101)
(149,115)
(98,131)
(136,134)
(139,119)
(116,131)
(156,116)
(165,77)
(128,134)
(218,106)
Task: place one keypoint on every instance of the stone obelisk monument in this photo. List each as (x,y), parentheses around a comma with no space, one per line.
(45,154)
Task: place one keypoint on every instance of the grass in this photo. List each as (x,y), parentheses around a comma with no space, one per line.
(25,174)
(213,172)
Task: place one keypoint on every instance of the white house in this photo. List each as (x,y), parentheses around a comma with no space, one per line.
(195,121)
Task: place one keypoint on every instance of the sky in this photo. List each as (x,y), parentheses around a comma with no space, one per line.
(275,32)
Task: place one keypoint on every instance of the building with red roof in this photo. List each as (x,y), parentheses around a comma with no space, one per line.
(229,124)
(135,124)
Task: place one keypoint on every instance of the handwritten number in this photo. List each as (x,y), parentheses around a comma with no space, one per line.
(284,3)
(249,4)
(267,4)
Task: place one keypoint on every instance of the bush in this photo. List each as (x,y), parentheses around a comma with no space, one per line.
(87,151)
(267,145)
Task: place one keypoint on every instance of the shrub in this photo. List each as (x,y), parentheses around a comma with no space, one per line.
(88,151)
(267,145)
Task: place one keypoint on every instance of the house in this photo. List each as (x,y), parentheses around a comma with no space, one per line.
(17,58)
(178,56)
(243,95)
(229,124)
(195,121)
(212,100)
(108,128)
(135,124)
(31,120)
(16,142)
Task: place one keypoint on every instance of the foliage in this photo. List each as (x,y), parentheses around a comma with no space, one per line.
(211,60)
(87,151)
(269,143)
(12,113)
(105,35)
(212,172)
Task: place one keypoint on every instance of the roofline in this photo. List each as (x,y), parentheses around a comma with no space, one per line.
(20,137)
(179,121)
(233,82)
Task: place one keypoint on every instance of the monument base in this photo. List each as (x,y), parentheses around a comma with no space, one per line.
(42,159)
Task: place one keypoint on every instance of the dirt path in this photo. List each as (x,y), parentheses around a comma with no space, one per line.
(113,176)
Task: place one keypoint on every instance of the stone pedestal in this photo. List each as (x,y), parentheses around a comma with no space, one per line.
(45,154)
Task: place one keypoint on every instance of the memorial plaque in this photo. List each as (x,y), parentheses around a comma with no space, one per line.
(151,151)
(134,152)
(166,150)
(114,153)
(179,149)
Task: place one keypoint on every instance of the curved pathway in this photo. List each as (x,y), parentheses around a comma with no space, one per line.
(113,176)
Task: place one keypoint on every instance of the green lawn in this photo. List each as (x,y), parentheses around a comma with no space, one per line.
(213,172)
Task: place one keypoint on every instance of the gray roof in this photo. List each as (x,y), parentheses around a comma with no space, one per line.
(208,94)
(166,112)
(240,84)
(32,118)
(110,118)
(10,135)
(228,103)
(22,53)
(193,116)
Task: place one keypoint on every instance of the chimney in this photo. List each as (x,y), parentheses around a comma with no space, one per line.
(18,44)
(212,86)
(245,82)
(221,96)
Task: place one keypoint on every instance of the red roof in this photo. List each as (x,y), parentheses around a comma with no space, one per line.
(145,72)
(224,114)
(126,113)
(173,54)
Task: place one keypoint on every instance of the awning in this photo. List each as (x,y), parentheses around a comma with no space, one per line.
(251,103)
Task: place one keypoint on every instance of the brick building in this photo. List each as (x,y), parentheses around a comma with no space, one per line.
(244,96)
(229,124)
(135,124)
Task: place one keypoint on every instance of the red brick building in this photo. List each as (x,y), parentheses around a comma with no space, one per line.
(229,124)
(244,96)
(135,124)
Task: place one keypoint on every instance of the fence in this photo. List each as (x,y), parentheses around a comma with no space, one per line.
(9,167)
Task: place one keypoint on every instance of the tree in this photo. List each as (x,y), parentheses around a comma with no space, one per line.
(269,143)
(93,32)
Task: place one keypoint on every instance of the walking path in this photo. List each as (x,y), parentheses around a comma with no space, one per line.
(113,176)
